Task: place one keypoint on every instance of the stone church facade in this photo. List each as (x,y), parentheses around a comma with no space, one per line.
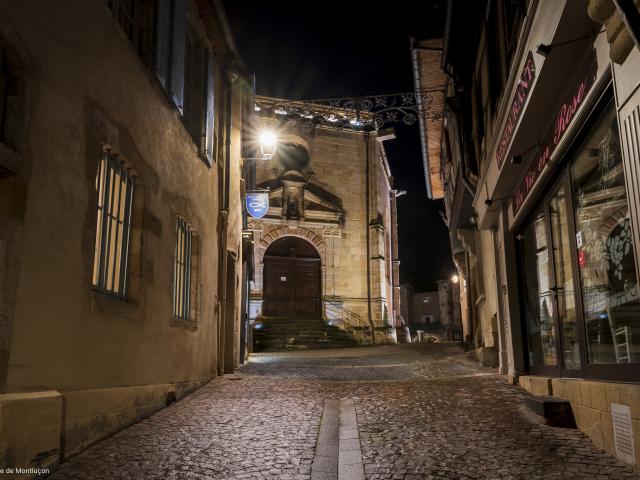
(331,201)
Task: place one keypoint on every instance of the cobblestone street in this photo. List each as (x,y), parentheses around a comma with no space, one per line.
(422,411)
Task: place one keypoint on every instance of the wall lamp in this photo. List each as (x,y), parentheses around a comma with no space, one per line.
(545,49)
(489,201)
(517,159)
(268,143)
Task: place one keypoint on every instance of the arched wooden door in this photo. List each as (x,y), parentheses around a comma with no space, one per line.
(291,279)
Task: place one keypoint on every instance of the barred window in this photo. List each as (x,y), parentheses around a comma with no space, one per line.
(114,185)
(185,271)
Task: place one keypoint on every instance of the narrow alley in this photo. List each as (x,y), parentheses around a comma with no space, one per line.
(326,240)
(424,411)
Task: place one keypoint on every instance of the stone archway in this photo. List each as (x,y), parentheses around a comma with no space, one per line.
(292,279)
(274,232)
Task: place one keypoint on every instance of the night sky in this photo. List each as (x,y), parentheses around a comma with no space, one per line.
(309,50)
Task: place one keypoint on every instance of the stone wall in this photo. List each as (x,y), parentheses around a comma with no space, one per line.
(105,362)
(591,404)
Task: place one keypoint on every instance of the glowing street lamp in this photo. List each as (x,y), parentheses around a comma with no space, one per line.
(454,278)
(268,142)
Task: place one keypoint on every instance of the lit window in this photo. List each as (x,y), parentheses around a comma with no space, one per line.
(114,185)
(185,271)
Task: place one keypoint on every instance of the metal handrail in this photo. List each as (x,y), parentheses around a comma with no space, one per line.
(353,322)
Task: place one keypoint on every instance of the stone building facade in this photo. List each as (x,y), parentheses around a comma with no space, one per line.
(539,159)
(437,311)
(330,188)
(120,245)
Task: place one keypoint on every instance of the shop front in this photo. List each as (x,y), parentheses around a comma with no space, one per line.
(572,230)
(579,287)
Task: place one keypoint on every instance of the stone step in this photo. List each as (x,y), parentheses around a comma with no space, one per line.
(299,333)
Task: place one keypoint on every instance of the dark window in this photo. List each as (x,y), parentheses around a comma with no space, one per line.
(136,18)
(479,118)
(170,35)
(10,97)
(194,87)
(513,14)
(114,186)
(494,58)
(199,96)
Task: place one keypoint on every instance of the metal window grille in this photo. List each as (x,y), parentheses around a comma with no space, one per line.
(114,185)
(182,271)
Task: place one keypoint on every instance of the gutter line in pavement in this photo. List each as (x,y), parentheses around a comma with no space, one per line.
(338,455)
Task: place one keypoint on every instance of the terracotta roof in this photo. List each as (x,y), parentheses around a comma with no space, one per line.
(429,82)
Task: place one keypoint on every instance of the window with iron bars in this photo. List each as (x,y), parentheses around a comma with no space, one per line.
(185,271)
(114,185)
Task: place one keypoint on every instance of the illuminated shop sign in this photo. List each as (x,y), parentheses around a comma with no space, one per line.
(563,119)
(515,112)
(257,203)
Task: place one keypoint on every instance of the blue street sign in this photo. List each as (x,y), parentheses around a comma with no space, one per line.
(257,203)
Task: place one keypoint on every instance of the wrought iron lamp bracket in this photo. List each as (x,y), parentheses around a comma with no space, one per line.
(354,113)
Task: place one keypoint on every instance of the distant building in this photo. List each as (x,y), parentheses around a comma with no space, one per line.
(425,311)
(437,311)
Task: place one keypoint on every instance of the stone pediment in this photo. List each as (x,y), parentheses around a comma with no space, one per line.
(292,197)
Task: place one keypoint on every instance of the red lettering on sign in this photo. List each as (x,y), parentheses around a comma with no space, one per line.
(563,119)
(517,105)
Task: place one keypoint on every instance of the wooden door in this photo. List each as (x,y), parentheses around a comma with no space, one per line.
(291,287)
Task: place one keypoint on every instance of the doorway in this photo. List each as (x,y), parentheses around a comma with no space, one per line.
(548,291)
(292,279)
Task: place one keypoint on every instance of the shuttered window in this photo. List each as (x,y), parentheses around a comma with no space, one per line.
(170,48)
(193,87)
(199,96)
(207,141)
(185,271)
(114,185)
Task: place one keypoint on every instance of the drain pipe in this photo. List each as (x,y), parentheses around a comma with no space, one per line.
(224,218)
(367,220)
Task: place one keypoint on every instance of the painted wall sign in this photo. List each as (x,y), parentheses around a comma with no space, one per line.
(555,133)
(257,203)
(517,105)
